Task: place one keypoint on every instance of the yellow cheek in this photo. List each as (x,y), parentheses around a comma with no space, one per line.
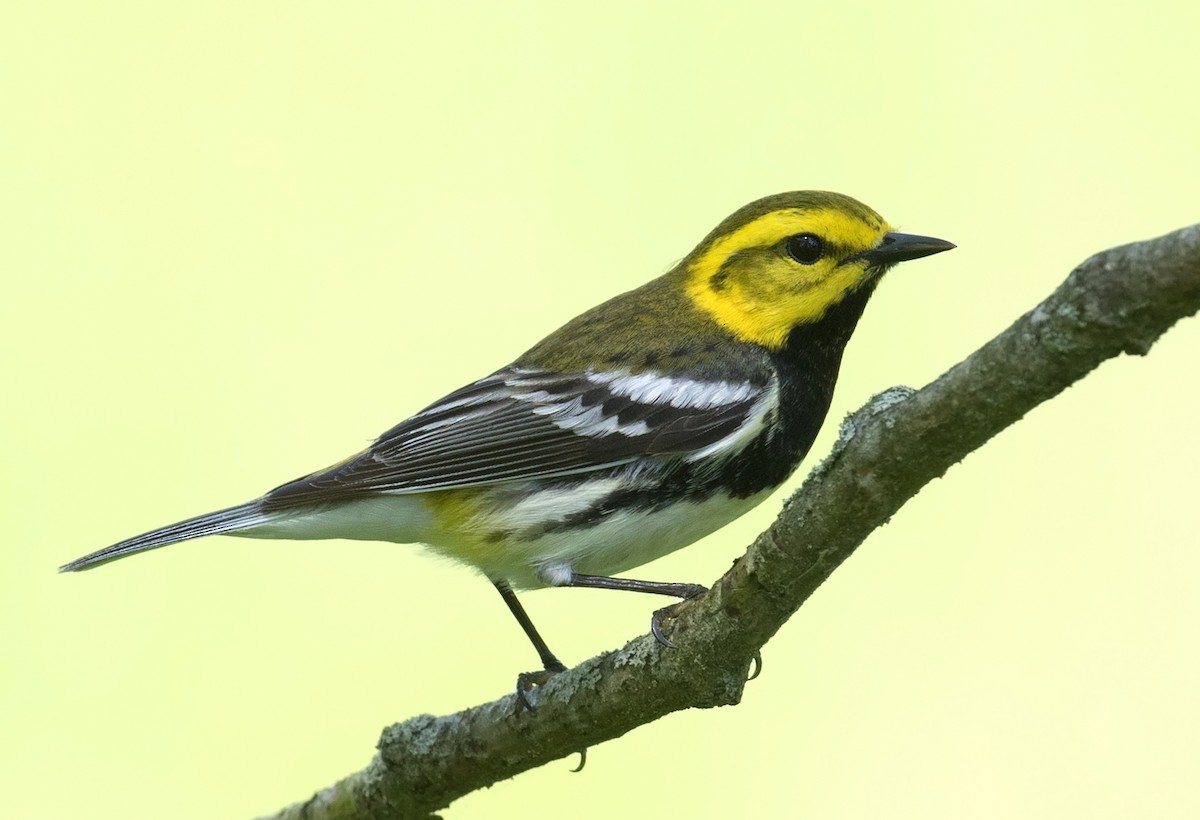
(763,303)
(754,316)
(810,304)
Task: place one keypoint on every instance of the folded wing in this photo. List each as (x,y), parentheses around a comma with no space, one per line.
(521,423)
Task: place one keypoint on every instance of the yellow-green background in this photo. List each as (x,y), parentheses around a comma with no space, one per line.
(238,240)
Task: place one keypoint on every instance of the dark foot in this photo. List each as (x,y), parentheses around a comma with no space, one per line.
(661,616)
(528,682)
(656,624)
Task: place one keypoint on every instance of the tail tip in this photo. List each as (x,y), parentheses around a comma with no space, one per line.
(74,566)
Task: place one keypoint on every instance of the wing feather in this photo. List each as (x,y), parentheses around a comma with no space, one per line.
(520,423)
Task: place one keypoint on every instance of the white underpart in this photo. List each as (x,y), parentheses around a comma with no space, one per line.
(621,541)
(398,518)
(624,540)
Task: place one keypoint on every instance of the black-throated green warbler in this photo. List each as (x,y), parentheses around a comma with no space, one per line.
(635,429)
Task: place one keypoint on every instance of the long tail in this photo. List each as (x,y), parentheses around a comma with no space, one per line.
(228,520)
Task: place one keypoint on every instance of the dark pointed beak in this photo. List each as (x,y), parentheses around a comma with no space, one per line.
(900,247)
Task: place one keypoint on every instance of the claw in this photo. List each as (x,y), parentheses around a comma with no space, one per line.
(528,682)
(656,624)
(582,760)
(757,667)
(687,592)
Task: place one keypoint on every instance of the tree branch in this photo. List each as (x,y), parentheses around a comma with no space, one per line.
(1119,301)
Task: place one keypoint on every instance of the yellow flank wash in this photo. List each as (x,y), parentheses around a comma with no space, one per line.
(453,509)
(763,297)
(456,513)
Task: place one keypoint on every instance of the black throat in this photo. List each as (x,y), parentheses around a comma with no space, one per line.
(807,367)
(819,345)
(809,363)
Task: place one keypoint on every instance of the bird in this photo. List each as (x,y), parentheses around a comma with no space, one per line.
(635,429)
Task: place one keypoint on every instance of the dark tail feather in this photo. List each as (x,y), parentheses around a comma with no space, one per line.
(214,523)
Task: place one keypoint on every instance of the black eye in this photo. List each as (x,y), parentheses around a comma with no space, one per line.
(805,248)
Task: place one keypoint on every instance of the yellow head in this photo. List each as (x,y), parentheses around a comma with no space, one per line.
(785,260)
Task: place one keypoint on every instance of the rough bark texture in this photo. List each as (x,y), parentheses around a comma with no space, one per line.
(1119,301)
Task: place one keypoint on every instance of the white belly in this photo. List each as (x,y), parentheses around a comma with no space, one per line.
(618,542)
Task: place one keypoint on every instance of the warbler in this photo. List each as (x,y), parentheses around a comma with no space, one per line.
(638,427)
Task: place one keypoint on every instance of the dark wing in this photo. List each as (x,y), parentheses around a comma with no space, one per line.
(520,423)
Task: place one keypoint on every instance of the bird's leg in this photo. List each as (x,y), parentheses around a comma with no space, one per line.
(684,591)
(526,681)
